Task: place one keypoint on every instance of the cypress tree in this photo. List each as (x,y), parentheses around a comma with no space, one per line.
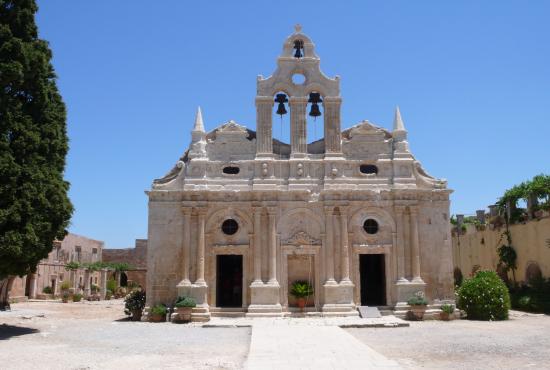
(34,205)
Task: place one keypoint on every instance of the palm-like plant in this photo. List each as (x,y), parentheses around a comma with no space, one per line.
(301,289)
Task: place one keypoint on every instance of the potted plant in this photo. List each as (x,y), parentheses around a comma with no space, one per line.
(300,290)
(184,306)
(77,297)
(134,303)
(157,313)
(418,306)
(65,296)
(108,294)
(446,311)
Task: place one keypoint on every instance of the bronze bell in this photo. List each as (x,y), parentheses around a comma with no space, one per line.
(281,99)
(315,99)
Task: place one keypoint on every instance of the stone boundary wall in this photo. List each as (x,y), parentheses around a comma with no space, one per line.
(479,248)
(136,257)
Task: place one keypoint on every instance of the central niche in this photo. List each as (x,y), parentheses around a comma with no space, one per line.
(301,267)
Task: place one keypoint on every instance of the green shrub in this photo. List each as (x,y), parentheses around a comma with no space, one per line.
(484,297)
(108,294)
(417,300)
(301,289)
(77,297)
(448,308)
(158,310)
(111,285)
(47,290)
(94,288)
(185,302)
(65,285)
(135,301)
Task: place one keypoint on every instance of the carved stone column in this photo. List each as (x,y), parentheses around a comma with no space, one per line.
(32,286)
(345,280)
(186,245)
(400,247)
(201,247)
(264,126)
(272,247)
(103,283)
(329,246)
(298,126)
(257,246)
(333,144)
(415,260)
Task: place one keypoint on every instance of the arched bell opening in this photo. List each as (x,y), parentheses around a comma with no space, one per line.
(281,123)
(314,122)
(298,48)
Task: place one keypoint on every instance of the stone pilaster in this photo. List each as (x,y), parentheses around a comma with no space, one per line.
(186,246)
(264,126)
(345,280)
(298,126)
(257,246)
(329,246)
(103,283)
(415,247)
(333,142)
(400,247)
(272,247)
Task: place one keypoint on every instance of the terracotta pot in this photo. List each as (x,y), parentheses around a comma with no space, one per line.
(184,313)
(157,318)
(136,315)
(418,312)
(445,316)
(301,303)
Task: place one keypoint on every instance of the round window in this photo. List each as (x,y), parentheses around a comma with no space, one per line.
(230,226)
(370,226)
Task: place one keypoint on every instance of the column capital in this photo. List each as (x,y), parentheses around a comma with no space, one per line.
(332,100)
(271,211)
(264,100)
(186,210)
(257,209)
(343,209)
(298,100)
(201,210)
(329,210)
(413,210)
(399,208)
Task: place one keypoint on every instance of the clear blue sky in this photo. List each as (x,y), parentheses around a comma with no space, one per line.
(472,79)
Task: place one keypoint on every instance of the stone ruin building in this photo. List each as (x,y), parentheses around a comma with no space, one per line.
(242,215)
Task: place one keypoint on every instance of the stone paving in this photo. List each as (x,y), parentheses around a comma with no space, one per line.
(275,346)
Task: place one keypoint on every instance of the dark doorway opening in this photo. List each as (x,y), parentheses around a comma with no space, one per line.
(229,281)
(123,279)
(373,280)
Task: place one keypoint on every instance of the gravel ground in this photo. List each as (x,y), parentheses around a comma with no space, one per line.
(523,342)
(95,335)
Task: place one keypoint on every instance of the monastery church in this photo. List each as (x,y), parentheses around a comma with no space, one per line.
(242,216)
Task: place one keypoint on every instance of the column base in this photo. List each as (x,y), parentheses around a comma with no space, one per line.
(264,300)
(339,299)
(201,313)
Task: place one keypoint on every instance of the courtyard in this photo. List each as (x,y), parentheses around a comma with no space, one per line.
(96,335)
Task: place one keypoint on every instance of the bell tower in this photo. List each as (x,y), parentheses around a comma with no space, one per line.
(298,76)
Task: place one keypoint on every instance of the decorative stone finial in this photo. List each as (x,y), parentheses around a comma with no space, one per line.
(398,121)
(199,125)
(297,28)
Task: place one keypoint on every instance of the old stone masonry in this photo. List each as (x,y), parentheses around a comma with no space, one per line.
(242,216)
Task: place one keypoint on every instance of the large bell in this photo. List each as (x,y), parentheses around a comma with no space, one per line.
(315,112)
(315,99)
(281,99)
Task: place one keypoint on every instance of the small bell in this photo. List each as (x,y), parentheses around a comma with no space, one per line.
(315,99)
(281,99)
(299,46)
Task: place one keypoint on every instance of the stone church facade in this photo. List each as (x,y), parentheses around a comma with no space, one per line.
(242,215)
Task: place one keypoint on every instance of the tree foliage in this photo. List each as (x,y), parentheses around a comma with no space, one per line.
(484,297)
(34,205)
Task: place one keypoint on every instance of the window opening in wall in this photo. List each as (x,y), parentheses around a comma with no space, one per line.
(230,226)
(299,48)
(298,79)
(368,169)
(370,226)
(231,170)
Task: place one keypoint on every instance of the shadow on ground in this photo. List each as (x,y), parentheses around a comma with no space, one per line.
(8,331)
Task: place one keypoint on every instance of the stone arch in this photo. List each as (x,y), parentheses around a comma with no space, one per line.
(293,221)
(239,215)
(284,87)
(532,272)
(379,214)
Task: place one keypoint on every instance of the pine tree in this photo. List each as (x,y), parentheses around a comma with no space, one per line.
(34,205)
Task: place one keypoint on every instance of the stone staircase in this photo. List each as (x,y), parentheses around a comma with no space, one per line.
(227,312)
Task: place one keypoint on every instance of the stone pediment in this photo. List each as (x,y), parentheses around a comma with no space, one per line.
(367,131)
(232,128)
(302,238)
